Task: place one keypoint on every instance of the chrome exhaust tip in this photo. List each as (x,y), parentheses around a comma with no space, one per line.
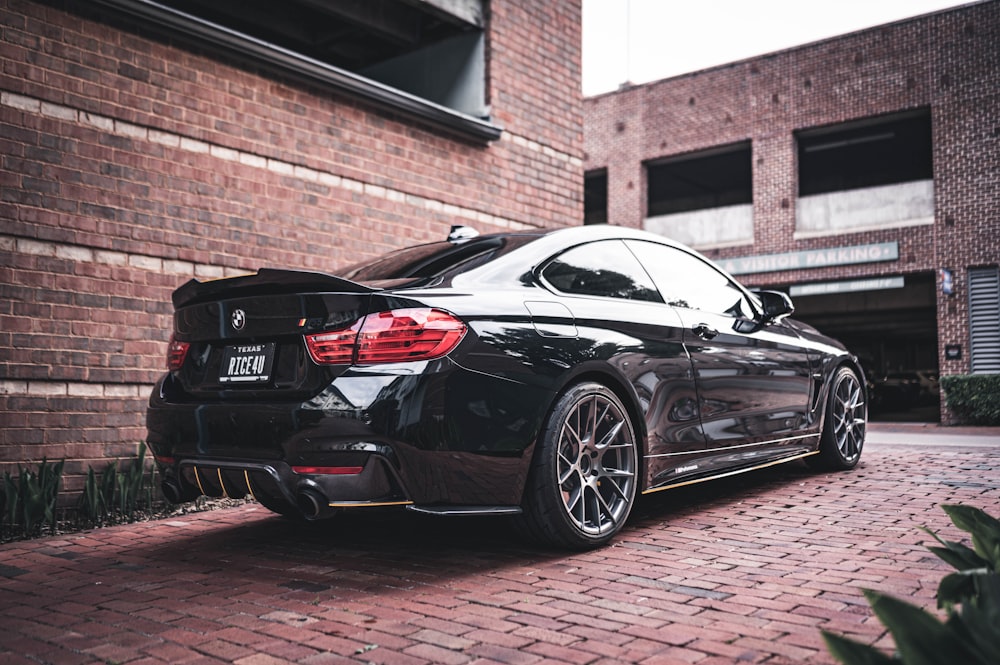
(172,491)
(312,504)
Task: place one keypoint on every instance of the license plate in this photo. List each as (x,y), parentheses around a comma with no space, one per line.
(247,363)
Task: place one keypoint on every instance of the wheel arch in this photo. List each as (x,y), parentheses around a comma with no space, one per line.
(540,519)
(608,376)
(852,363)
(840,444)
(615,381)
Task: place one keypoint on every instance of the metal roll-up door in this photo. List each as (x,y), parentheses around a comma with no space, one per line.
(984,320)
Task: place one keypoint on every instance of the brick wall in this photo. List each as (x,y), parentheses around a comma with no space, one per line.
(131,164)
(948,62)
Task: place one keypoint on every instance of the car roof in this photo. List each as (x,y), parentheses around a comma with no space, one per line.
(511,266)
(514,256)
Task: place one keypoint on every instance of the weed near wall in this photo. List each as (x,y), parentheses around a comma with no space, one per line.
(30,503)
(122,492)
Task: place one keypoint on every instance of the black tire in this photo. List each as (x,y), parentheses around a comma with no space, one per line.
(584,474)
(844,425)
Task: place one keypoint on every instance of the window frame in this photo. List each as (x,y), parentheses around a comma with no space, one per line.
(753,303)
(208,35)
(548,284)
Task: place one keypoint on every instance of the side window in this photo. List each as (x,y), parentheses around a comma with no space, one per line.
(687,281)
(605,268)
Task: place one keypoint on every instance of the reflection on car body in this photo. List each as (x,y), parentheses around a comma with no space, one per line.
(550,376)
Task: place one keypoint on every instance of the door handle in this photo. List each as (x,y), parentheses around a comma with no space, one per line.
(705,331)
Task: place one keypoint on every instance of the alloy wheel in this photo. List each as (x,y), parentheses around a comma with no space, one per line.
(596,465)
(850,413)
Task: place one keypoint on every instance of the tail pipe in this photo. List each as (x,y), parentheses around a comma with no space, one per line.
(175,492)
(312,504)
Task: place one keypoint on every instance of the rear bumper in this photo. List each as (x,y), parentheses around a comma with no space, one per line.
(279,487)
(446,438)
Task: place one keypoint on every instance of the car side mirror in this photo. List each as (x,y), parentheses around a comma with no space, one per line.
(777,305)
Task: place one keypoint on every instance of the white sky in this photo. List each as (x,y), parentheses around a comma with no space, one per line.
(647,40)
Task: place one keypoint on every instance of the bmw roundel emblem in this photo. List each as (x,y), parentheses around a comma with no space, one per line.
(239,319)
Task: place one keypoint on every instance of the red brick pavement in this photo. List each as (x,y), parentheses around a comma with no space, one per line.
(746,570)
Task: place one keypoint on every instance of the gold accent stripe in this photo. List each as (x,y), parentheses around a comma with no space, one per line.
(221,483)
(358,504)
(197,479)
(730,473)
(246,475)
(756,444)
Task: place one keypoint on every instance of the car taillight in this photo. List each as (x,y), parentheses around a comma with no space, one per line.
(335,347)
(328,470)
(399,335)
(176,352)
(408,334)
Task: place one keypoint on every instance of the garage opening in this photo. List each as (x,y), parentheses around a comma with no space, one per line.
(703,199)
(894,333)
(868,174)
(877,151)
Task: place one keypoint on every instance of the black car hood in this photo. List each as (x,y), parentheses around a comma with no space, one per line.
(806,331)
(265,281)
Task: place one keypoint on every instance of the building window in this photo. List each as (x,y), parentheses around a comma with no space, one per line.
(881,151)
(869,174)
(711,179)
(595,197)
(427,58)
(984,320)
(703,199)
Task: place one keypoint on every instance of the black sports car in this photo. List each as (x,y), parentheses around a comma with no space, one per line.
(552,376)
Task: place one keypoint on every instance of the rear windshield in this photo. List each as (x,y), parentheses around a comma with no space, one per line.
(431,260)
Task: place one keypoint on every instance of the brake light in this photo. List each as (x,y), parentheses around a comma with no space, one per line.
(176,352)
(408,334)
(328,470)
(335,347)
(399,335)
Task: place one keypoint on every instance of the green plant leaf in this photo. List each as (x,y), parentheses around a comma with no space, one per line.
(971,596)
(32,501)
(958,587)
(91,501)
(109,482)
(50,480)
(985,531)
(122,481)
(958,556)
(978,624)
(11,498)
(920,638)
(988,548)
(851,652)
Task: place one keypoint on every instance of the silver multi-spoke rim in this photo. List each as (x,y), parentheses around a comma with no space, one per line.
(850,417)
(596,465)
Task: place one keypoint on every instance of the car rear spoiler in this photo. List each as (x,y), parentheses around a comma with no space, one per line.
(266,281)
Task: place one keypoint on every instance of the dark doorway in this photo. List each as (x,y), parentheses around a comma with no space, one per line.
(894,333)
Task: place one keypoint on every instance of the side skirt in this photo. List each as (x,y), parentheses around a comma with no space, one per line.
(726,474)
(453,511)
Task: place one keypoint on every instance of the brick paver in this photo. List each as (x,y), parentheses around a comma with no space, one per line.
(745,570)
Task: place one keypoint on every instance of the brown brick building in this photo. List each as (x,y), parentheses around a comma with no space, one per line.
(144,144)
(860,173)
